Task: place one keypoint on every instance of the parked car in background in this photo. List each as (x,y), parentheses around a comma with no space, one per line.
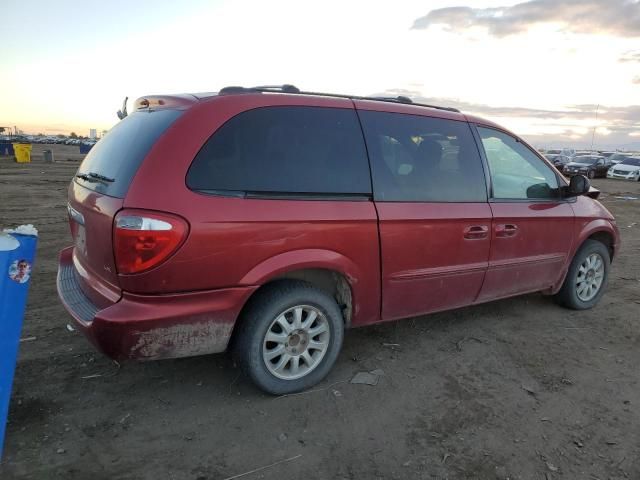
(628,169)
(606,154)
(619,157)
(589,165)
(295,216)
(569,152)
(559,161)
(582,153)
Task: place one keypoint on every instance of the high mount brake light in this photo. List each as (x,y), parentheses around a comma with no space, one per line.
(143,240)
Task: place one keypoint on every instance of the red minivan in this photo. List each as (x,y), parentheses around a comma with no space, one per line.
(268,220)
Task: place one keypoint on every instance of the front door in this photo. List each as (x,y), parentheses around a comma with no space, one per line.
(532,227)
(434,219)
(602,166)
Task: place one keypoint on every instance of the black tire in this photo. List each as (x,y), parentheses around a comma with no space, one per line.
(568,295)
(256,320)
(591,174)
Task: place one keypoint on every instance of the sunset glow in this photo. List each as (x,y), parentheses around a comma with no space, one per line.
(543,79)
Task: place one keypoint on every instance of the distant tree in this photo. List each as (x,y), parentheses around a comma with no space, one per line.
(73,135)
(1,129)
(60,135)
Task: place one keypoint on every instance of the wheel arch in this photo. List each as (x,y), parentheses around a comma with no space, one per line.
(599,230)
(327,270)
(606,238)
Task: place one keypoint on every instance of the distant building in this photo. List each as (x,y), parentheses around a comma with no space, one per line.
(92,134)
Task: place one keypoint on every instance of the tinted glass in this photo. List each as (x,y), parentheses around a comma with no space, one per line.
(587,160)
(119,154)
(285,150)
(618,156)
(422,159)
(631,161)
(516,172)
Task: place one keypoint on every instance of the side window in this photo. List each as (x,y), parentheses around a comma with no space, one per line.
(422,159)
(285,150)
(516,172)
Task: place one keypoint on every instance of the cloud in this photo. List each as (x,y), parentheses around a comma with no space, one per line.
(572,124)
(631,56)
(613,17)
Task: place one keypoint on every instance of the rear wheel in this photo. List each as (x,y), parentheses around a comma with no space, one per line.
(289,337)
(586,278)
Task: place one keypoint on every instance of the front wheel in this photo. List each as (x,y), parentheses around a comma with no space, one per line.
(289,337)
(591,174)
(587,277)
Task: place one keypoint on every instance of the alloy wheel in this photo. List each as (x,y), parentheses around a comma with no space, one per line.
(296,342)
(590,277)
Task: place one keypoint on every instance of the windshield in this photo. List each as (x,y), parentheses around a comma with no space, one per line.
(588,160)
(617,156)
(112,163)
(631,161)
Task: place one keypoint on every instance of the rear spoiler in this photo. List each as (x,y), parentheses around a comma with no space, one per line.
(153,102)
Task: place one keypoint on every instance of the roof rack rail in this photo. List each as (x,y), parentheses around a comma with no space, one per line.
(448,109)
(399,99)
(287,88)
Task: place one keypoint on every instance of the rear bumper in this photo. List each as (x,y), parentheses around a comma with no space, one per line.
(151,327)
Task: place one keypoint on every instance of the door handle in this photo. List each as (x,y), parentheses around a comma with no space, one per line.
(506,230)
(476,232)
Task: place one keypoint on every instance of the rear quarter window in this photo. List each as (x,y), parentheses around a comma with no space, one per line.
(284,150)
(119,154)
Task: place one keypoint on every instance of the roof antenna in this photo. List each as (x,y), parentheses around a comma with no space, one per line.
(123,113)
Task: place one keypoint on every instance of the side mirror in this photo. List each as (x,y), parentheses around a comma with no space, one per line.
(578,185)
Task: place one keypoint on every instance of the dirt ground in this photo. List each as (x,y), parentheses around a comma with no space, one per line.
(519,389)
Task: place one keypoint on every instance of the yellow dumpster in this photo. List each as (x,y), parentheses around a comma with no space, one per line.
(23,152)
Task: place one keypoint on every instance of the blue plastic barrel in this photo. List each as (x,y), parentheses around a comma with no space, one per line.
(17,251)
(6,148)
(85,148)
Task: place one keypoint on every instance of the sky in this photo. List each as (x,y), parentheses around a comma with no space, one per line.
(539,67)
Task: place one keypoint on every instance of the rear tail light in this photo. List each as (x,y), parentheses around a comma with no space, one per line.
(142,240)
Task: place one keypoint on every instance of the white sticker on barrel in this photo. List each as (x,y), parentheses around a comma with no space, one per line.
(20,271)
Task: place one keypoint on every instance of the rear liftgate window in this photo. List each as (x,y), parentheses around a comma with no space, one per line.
(423,159)
(288,151)
(112,163)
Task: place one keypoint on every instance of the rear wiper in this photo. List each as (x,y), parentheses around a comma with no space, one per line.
(92,177)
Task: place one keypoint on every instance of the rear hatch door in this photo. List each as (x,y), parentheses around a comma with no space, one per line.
(97,193)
